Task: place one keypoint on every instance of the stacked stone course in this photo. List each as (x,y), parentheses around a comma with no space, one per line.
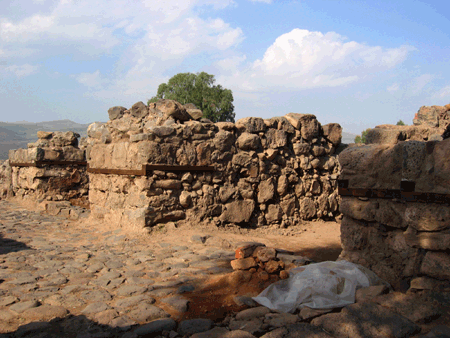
(51,169)
(403,241)
(274,171)
(5,179)
(429,124)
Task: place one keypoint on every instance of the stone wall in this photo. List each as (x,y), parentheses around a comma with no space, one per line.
(429,124)
(5,179)
(51,169)
(274,171)
(405,242)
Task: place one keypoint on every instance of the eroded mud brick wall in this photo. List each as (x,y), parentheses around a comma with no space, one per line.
(274,171)
(51,169)
(406,242)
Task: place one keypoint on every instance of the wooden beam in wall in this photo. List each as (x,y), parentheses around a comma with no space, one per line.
(130,172)
(43,163)
(145,170)
(405,193)
(166,167)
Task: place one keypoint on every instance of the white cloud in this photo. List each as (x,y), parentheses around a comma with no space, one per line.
(443,93)
(22,70)
(420,82)
(393,88)
(96,27)
(265,1)
(151,36)
(302,59)
(91,80)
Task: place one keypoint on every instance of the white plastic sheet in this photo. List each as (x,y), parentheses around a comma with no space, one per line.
(322,285)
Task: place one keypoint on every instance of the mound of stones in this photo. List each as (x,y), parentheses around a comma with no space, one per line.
(266,263)
(429,124)
(254,172)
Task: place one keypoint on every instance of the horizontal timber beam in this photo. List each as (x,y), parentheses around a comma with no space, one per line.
(43,163)
(145,170)
(405,193)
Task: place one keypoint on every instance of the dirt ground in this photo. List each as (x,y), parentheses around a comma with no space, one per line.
(214,296)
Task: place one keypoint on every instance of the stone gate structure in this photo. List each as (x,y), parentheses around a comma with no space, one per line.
(51,170)
(396,206)
(163,162)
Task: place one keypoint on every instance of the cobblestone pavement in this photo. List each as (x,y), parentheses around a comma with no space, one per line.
(51,267)
(60,278)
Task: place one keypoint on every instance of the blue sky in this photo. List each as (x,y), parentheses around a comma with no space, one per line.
(357,63)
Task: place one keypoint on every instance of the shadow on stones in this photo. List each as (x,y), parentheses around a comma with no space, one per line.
(9,245)
(68,327)
(321,254)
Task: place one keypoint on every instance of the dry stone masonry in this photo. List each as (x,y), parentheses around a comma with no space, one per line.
(53,169)
(5,179)
(254,172)
(429,124)
(404,239)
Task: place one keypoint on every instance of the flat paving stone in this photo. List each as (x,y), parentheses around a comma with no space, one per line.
(96,308)
(191,326)
(8,300)
(156,326)
(22,306)
(45,313)
(146,312)
(131,290)
(133,300)
(178,303)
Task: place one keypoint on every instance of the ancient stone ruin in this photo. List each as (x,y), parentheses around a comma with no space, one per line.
(396,211)
(150,165)
(429,124)
(51,171)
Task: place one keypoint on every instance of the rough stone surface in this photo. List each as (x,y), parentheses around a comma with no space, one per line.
(366,320)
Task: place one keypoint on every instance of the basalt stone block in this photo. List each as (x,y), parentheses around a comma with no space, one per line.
(238,211)
(306,123)
(333,133)
(429,116)
(139,110)
(196,114)
(301,148)
(44,135)
(248,141)
(384,136)
(173,109)
(251,125)
(276,138)
(266,190)
(116,112)
(436,265)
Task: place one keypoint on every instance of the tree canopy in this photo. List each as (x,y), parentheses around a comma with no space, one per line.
(362,138)
(401,123)
(214,101)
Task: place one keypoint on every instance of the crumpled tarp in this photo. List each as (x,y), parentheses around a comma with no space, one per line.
(322,285)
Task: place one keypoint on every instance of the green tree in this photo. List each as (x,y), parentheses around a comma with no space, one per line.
(215,102)
(362,138)
(401,123)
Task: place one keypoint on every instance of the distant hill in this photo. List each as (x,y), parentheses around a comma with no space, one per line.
(348,138)
(18,134)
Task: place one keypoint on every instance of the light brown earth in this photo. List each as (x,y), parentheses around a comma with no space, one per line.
(318,240)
